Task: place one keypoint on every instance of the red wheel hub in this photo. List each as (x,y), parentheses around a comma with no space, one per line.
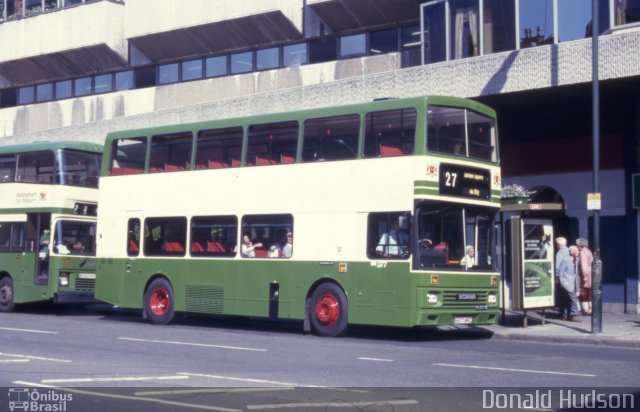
(327,309)
(159,301)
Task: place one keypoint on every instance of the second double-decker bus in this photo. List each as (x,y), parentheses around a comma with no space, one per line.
(376,214)
(48,207)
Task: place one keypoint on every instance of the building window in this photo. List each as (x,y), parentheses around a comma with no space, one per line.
(215,236)
(82,86)
(216,66)
(383,41)
(145,76)
(410,40)
(242,62)
(103,83)
(499,28)
(124,80)
(323,50)
(192,70)
(168,73)
(268,58)
(165,236)
(294,54)
(536,22)
(44,92)
(626,11)
(353,46)
(64,89)
(26,95)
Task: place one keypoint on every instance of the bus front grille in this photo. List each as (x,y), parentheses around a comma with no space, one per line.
(85,285)
(204,299)
(464,298)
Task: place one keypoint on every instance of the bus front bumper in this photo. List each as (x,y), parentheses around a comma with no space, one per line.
(74,297)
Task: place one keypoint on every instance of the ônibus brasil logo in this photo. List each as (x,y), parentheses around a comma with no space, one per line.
(24,399)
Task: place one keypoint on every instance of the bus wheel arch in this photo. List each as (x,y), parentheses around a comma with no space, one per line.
(159,300)
(326,309)
(7,293)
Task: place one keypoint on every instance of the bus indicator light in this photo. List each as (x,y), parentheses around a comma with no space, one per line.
(494,281)
(343,268)
(435,279)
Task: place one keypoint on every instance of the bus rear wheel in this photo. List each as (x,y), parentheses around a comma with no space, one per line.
(328,310)
(6,294)
(159,302)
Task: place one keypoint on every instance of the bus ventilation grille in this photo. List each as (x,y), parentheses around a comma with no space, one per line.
(204,299)
(85,285)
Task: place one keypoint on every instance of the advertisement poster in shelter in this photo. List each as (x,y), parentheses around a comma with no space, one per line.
(538,285)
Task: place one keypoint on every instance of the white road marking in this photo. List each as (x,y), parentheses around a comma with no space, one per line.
(204,345)
(126,397)
(35,358)
(222,390)
(14,360)
(376,359)
(49,332)
(514,370)
(327,405)
(248,380)
(118,379)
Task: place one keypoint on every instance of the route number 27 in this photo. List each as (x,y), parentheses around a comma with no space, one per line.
(450,179)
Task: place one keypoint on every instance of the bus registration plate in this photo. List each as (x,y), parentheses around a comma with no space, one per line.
(86,275)
(462,320)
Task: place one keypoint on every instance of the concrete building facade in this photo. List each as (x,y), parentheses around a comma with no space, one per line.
(75,70)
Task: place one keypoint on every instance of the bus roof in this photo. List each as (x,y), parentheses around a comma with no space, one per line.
(379,104)
(40,146)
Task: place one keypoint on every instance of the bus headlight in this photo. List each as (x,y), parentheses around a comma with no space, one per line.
(432,298)
(63,279)
(492,299)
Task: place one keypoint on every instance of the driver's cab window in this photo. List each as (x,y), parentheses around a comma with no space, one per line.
(453,237)
(75,238)
(389,235)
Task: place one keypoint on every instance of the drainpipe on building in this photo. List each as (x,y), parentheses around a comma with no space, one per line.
(596,281)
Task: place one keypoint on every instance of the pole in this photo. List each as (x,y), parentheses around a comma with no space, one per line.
(596,284)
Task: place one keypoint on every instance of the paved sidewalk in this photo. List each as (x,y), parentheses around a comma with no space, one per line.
(617,329)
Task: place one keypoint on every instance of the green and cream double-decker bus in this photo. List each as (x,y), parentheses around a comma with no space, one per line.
(48,206)
(359,214)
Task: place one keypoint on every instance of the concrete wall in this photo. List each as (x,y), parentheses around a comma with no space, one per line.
(318,85)
(67,29)
(157,16)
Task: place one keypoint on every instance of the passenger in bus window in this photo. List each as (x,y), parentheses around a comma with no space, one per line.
(469,259)
(260,237)
(287,250)
(457,148)
(248,249)
(394,242)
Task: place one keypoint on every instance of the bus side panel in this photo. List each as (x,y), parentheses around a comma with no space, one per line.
(110,281)
(21,268)
(383,294)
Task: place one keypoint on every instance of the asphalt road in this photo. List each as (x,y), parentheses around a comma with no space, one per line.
(254,362)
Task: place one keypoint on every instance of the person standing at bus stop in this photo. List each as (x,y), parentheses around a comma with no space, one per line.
(568,276)
(584,270)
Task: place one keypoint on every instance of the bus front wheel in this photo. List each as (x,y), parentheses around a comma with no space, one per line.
(159,302)
(328,310)
(6,294)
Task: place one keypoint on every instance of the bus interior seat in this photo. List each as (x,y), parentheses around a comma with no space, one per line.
(216,246)
(196,247)
(261,253)
(386,150)
(172,246)
(287,158)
